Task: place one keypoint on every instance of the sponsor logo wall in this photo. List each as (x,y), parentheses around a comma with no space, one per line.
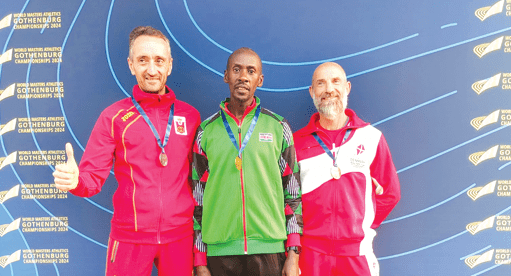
(433,76)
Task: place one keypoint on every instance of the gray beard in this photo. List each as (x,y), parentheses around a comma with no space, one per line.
(330,110)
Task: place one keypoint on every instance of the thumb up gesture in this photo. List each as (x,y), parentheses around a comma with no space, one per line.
(66,175)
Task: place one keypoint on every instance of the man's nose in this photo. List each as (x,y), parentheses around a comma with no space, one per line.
(329,87)
(243,75)
(151,68)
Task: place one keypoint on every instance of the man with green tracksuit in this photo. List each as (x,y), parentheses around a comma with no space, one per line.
(246,183)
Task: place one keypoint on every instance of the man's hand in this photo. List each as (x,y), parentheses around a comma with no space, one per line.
(378,187)
(202,271)
(291,264)
(66,175)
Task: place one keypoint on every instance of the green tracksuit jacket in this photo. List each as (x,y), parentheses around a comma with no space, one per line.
(247,211)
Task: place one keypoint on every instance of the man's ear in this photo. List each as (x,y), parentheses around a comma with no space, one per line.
(261,80)
(130,64)
(170,67)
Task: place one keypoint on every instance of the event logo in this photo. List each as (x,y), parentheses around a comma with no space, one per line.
(6,21)
(480,122)
(8,92)
(41,125)
(503,224)
(37,20)
(6,195)
(502,256)
(504,188)
(483,85)
(506,80)
(476,260)
(478,226)
(41,157)
(6,57)
(265,137)
(478,192)
(37,55)
(42,191)
(180,125)
(39,90)
(44,224)
(46,256)
(11,158)
(478,157)
(486,12)
(6,228)
(483,49)
(10,126)
(9,259)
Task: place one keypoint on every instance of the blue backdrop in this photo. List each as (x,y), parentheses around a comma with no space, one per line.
(426,73)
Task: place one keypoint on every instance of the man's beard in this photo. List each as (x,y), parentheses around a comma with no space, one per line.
(330,108)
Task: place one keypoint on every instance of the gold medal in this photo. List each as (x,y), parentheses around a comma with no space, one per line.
(335,172)
(237,162)
(163,159)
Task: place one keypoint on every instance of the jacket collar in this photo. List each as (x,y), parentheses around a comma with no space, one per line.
(250,108)
(354,122)
(153,100)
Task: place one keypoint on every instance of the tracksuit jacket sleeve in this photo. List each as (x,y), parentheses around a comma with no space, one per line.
(200,172)
(384,171)
(292,187)
(97,159)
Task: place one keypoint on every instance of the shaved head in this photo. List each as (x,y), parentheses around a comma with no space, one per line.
(244,50)
(328,65)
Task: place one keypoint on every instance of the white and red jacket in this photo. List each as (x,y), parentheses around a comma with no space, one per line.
(152,204)
(339,216)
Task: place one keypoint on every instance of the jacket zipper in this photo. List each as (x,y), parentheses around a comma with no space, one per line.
(159,188)
(243,197)
(335,205)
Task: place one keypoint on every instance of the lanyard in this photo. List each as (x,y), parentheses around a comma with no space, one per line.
(325,148)
(146,119)
(247,136)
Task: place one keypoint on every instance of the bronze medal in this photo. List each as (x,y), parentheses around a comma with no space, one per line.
(335,172)
(163,159)
(237,162)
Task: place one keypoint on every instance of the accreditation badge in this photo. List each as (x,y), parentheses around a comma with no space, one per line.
(180,125)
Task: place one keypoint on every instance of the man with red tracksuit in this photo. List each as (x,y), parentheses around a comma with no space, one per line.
(349,182)
(148,138)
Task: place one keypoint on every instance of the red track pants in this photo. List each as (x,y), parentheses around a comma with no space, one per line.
(125,259)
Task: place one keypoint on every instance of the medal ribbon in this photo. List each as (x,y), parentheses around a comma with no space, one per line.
(155,133)
(247,136)
(325,148)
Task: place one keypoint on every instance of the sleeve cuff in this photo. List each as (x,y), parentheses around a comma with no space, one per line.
(293,240)
(200,259)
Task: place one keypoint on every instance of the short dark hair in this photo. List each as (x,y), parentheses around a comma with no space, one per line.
(243,50)
(149,31)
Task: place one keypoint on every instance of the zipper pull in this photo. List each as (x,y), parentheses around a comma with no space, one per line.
(239,130)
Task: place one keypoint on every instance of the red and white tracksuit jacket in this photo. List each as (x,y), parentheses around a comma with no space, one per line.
(339,216)
(152,204)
